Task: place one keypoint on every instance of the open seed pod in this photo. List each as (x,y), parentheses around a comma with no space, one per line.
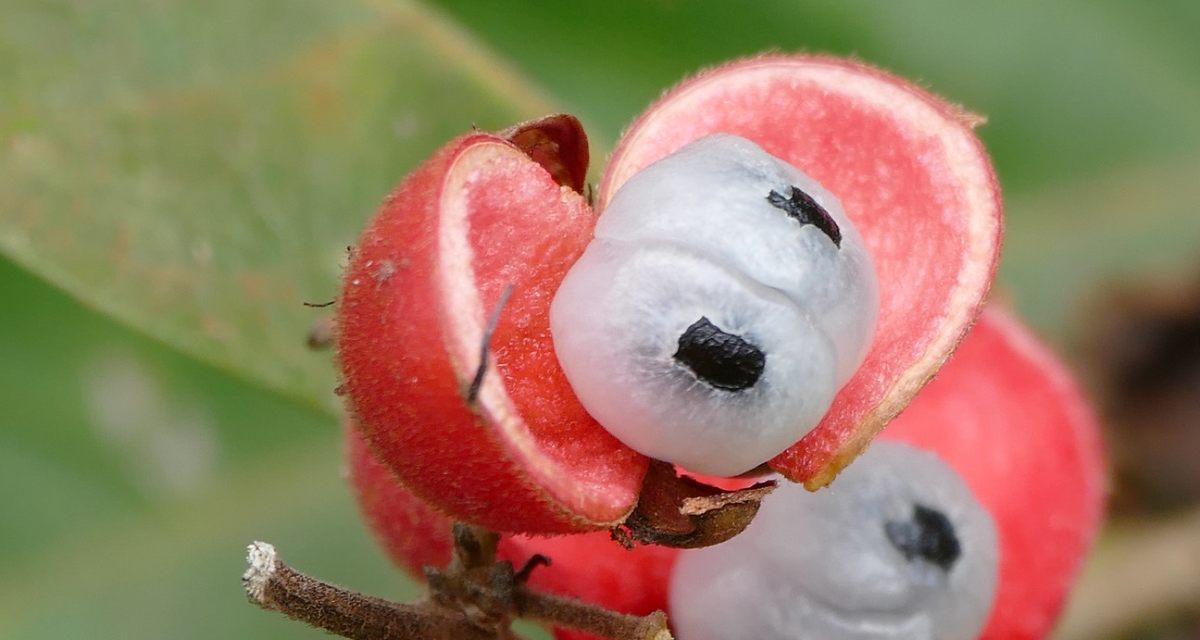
(448,362)
(1003,416)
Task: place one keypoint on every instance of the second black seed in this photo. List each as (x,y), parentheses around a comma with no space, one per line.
(929,535)
(805,209)
(722,360)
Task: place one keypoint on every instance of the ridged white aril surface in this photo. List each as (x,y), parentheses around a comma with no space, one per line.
(725,299)
(896,548)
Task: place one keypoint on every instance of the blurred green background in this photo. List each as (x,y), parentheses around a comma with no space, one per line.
(176,178)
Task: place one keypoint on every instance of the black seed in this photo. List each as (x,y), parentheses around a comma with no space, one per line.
(801,207)
(723,360)
(929,535)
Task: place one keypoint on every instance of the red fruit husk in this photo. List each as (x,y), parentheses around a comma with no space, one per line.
(414,535)
(911,175)
(1008,416)
(488,211)
(1004,413)
(479,216)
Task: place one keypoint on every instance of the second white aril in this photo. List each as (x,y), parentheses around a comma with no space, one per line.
(897,548)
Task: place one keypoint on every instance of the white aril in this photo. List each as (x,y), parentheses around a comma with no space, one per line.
(896,548)
(725,299)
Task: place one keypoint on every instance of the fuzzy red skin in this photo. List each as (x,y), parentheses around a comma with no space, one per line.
(912,176)
(408,346)
(1009,417)
(1004,413)
(547,467)
(414,535)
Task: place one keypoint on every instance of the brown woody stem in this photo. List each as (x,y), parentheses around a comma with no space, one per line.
(576,614)
(475,598)
(273,585)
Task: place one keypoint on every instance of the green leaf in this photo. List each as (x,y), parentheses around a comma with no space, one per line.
(101,424)
(174,573)
(132,478)
(197,170)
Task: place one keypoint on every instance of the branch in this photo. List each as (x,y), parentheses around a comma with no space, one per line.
(569,612)
(474,598)
(273,585)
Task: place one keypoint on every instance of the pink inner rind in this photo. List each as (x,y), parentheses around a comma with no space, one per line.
(410,321)
(909,173)
(525,231)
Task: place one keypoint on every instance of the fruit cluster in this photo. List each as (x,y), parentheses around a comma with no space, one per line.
(781,253)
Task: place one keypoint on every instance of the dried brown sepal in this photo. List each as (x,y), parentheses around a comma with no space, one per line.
(558,143)
(526,570)
(682,512)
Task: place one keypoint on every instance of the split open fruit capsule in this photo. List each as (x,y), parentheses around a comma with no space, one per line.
(783,250)
(969,517)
